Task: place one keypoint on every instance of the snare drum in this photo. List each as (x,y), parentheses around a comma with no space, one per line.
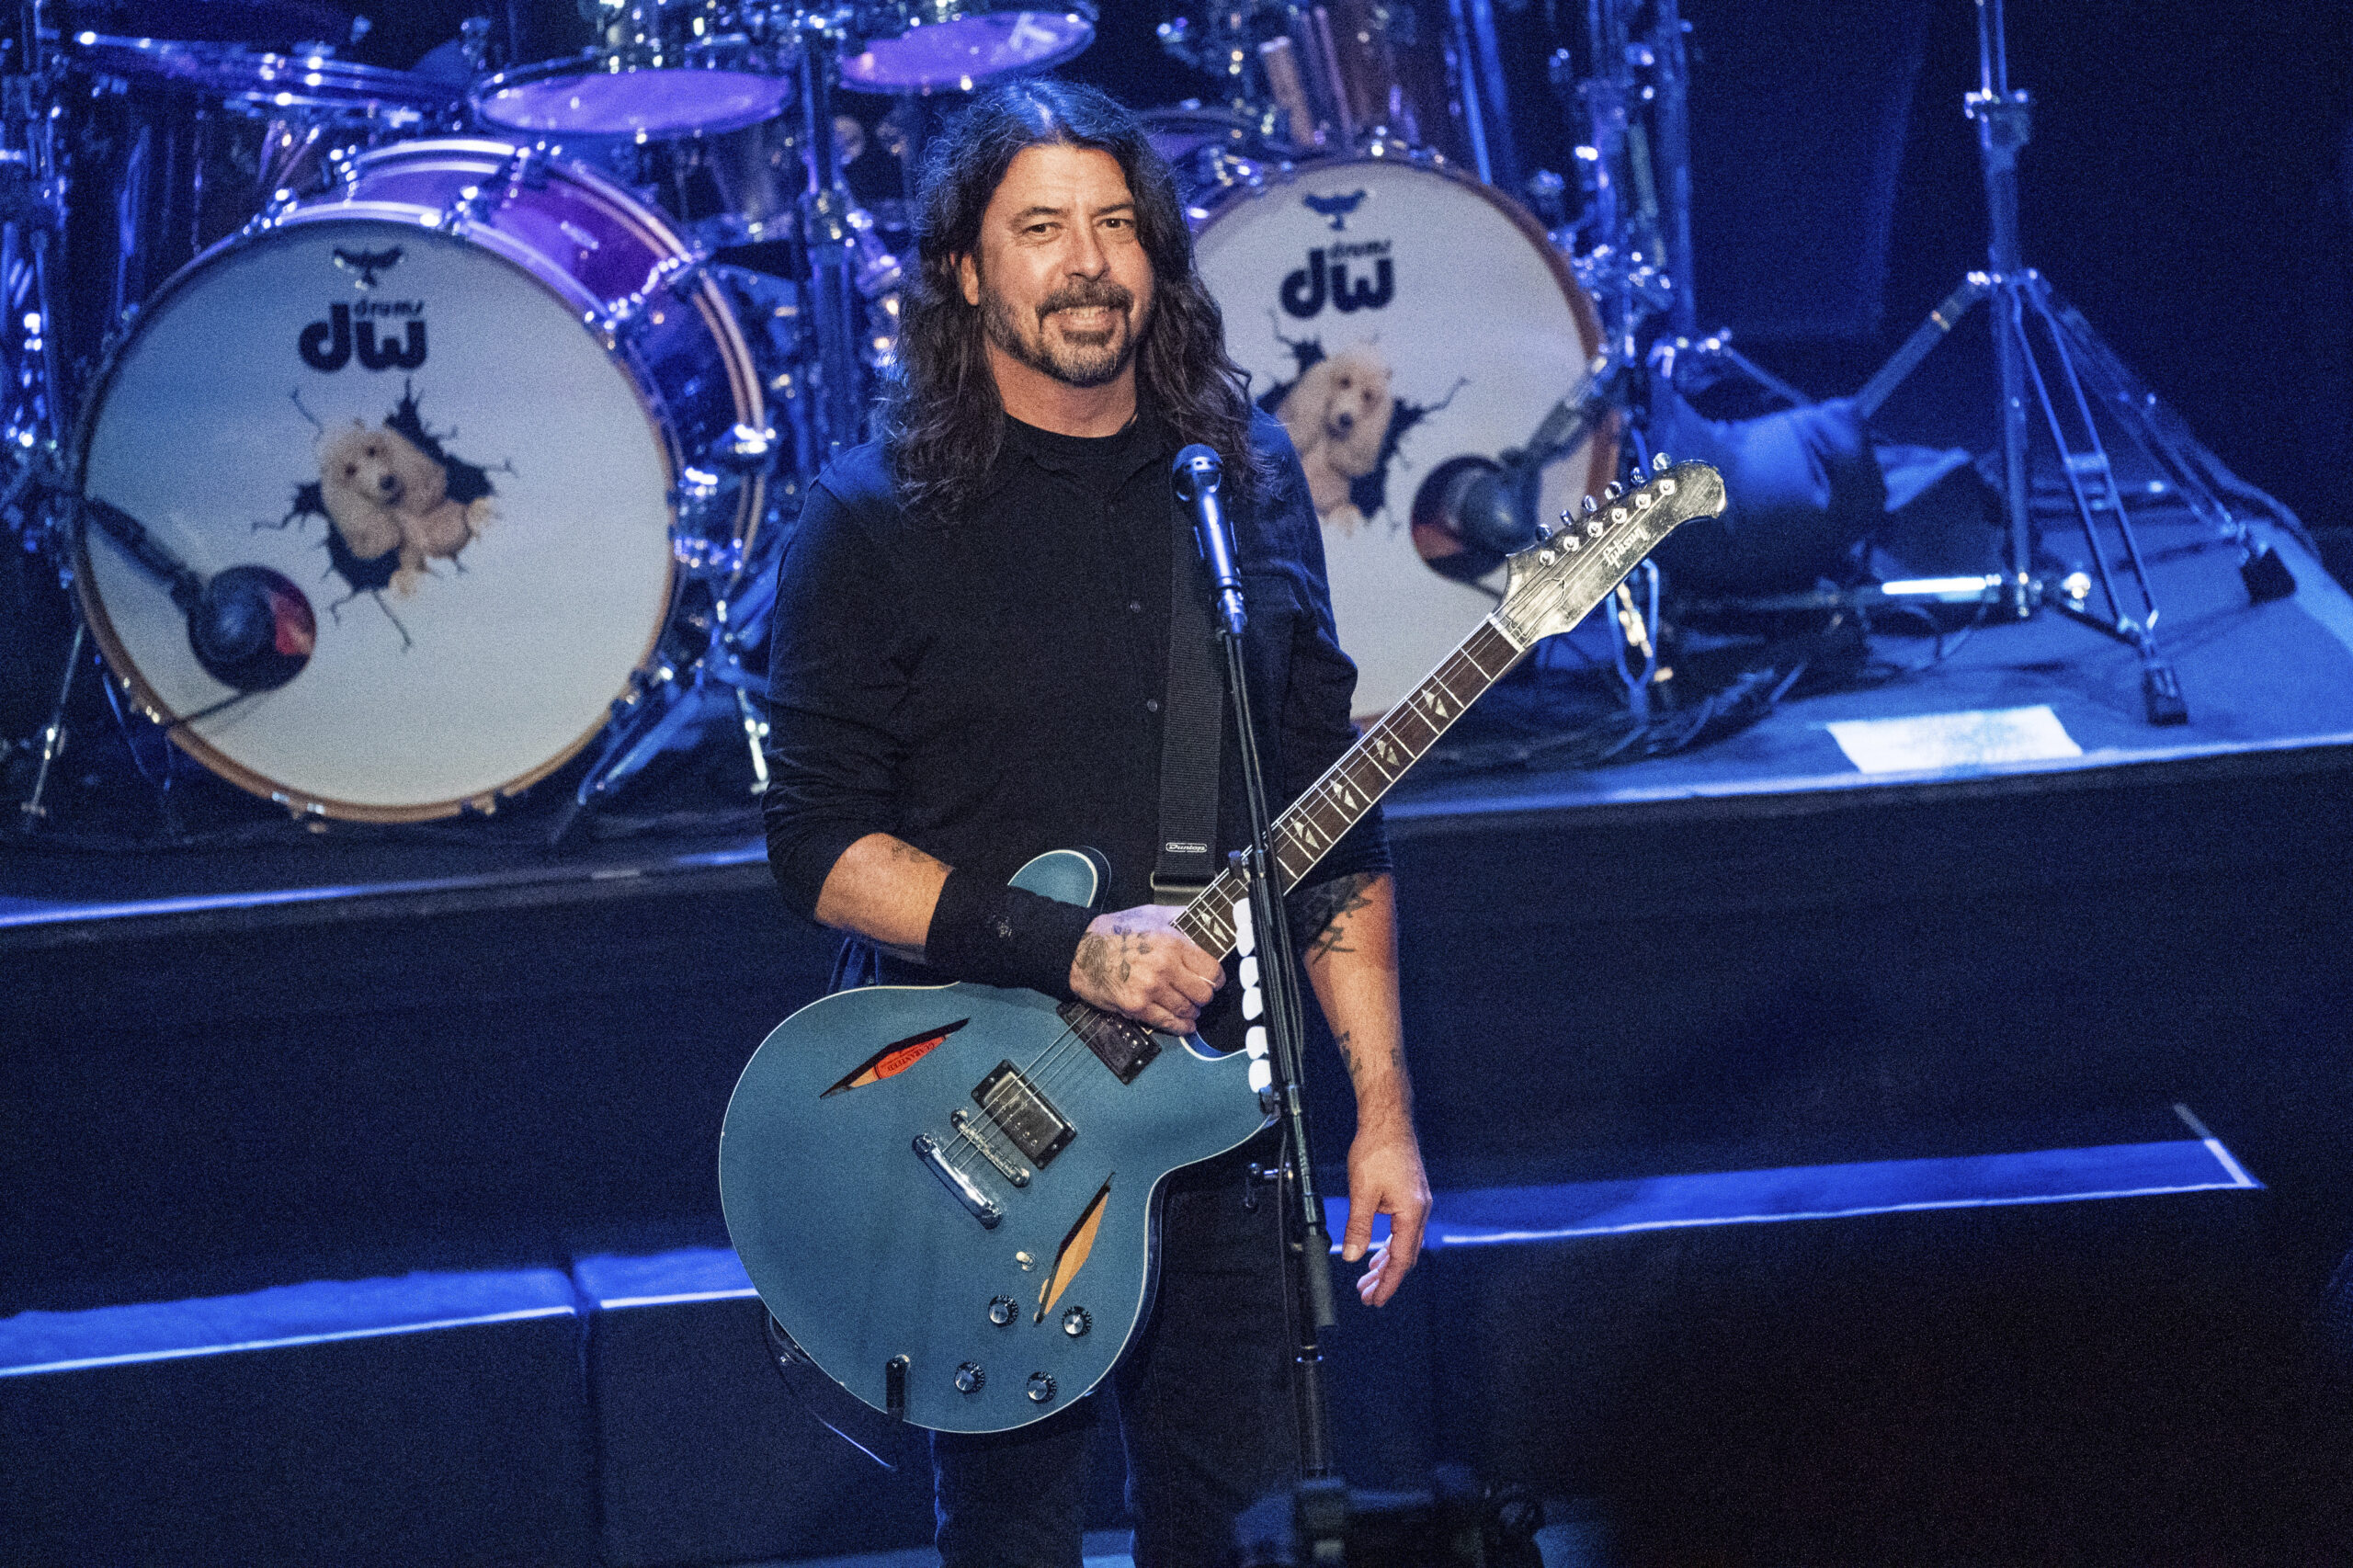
(1400,320)
(665,68)
(455,402)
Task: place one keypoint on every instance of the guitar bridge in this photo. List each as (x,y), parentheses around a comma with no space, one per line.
(1012,1170)
(1023,1115)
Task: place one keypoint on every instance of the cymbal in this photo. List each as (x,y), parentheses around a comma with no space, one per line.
(268,24)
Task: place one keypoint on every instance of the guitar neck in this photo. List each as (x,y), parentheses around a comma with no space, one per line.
(1349,788)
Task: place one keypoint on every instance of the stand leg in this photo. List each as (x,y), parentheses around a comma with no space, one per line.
(2085,468)
(52,735)
(833,255)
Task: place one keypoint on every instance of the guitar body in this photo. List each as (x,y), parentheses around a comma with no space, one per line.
(871,1252)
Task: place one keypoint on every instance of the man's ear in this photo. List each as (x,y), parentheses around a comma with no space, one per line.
(968,273)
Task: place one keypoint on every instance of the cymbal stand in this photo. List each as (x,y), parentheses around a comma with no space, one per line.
(2031,329)
(830,235)
(1632,120)
(34,413)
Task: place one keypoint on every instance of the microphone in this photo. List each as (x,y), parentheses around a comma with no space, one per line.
(1471,511)
(1195,474)
(250,628)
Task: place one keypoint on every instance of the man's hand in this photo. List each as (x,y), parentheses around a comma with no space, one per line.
(1136,963)
(1385,1176)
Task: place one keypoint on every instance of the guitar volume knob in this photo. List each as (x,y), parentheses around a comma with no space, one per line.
(1003,1310)
(970,1377)
(1077,1321)
(1041,1386)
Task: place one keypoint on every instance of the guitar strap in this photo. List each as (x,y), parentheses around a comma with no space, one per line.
(1192,731)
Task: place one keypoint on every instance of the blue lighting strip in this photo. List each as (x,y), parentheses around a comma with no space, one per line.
(183,1353)
(322,1311)
(16,912)
(665,1279)
(1507,1215)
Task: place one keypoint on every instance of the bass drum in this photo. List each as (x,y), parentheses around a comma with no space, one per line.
(415,399)
(1404,323)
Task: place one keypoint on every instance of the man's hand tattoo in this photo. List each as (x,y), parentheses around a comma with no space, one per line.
(1094,962)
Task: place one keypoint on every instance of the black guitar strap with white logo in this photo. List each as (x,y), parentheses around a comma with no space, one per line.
(1192,728)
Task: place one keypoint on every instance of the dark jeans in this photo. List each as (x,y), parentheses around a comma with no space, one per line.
(1203,1399)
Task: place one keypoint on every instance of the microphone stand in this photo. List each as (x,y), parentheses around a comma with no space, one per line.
(1307,1243)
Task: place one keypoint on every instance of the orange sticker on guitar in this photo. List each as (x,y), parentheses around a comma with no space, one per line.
(895,1058)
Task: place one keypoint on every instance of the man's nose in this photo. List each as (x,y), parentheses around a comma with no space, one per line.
(1088,257)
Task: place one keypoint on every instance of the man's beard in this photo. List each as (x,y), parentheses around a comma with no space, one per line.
(1080,359)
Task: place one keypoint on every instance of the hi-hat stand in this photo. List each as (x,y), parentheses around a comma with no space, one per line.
(2046,350)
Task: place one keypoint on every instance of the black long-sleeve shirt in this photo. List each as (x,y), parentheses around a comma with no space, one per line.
(991,689)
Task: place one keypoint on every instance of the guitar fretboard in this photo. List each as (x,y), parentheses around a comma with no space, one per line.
(1305,833)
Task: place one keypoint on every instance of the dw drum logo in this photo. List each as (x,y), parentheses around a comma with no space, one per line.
(328,345)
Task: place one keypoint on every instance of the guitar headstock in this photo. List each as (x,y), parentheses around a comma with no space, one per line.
(1552,582)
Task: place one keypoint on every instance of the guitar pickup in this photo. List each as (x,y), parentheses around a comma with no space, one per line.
(1124,1046)
(1023,1115)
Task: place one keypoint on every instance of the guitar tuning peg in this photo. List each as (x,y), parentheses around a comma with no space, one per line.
(1658,462)
(1611,491)
(1591,506)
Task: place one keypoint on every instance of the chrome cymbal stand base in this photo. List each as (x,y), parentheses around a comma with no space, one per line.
(2047,351)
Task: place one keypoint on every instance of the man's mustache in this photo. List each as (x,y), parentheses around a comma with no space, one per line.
(1085,296)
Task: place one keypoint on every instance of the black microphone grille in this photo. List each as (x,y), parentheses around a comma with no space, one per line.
(1197,469)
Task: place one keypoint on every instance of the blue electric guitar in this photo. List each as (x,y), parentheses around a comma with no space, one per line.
(946,1194)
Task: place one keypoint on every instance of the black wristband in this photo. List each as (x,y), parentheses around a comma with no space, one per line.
(996,934)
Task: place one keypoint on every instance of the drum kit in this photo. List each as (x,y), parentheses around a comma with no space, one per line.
(403,435)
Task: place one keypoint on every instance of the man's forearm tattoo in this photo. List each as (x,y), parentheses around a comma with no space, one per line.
(1325,909)
(1354,1057)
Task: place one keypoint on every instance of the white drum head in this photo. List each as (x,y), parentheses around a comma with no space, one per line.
(426,440)
(1409,318)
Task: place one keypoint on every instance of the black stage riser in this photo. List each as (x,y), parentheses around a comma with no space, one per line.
(460,1446)
(2128,1382)
(215,1104)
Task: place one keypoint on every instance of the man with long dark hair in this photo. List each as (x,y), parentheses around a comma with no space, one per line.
(972,650)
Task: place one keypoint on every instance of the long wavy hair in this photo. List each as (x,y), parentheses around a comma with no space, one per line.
(943,421)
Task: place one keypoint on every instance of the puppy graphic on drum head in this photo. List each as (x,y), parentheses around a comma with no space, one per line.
(385,493)
(1345,421)
(394,499)
(1337,414)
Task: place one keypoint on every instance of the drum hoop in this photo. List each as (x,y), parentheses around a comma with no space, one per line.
(594,62)
(649,227)
(260,74)
(1601,463)
(535,268)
